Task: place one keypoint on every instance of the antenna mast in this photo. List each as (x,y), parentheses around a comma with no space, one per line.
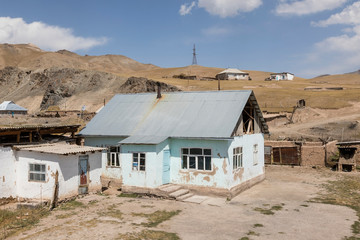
(194,62)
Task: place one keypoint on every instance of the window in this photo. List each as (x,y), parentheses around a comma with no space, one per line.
(113,156)
(37,172)
(196,158)
(139,161)
(255,154)
(237,158)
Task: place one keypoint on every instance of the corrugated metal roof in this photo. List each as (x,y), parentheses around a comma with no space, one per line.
(60,149)
(11,106)
(147,140)
(233,70)
(178,114)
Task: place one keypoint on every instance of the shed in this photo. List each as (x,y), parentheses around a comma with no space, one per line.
(281,76)
(232,74)
(9,107)
(349,155)
(204,141)
(49,171)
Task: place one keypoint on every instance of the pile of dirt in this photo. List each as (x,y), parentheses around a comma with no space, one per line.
(139,85)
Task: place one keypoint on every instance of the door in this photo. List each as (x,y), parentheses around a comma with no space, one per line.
(166,167)
(83,174)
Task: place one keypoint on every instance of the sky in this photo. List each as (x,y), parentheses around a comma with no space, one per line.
(304,37)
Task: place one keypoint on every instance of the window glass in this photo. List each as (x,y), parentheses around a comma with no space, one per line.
(196,151)
(192,163)
(208,163)
(184,162)
(200,163)
(185,150)
(207,151)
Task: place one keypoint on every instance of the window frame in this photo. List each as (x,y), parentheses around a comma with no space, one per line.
(113,157)
(37,172)
(238,158)
(255,154)
(139,165)
(196,159)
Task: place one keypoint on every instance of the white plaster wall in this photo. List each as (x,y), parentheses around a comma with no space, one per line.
(290,76)
(220,175)
(151,177)
(108,172)
(67,167)
(249,170)
(7,173)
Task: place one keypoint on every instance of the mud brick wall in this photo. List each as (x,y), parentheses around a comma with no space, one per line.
(312,155)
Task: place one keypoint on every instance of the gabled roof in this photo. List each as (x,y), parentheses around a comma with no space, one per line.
(11,106)
(281,73)
(233,70)
(179,114)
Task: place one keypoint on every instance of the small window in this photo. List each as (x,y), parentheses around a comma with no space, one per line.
(113,156)
(196,159)
(255,154)
(237,158)
(139,161)
(37,172)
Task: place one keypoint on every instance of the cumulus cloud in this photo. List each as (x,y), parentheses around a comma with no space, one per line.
(350,15)
(16,30)
(228,8)
(185,9)
(304,7)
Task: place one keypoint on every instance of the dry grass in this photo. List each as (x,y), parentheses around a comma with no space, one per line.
(157,217)
(13,221)
(149,235)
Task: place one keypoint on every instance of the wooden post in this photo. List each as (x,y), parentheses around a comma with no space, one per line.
(30,137)
(18,138)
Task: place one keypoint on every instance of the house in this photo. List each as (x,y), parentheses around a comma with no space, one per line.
(281,76)
(204,141)
(9,107)
(49,171)
(232,74)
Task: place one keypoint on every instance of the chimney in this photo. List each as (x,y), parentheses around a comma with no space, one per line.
(158,90)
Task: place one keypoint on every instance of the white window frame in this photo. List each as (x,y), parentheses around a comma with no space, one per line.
(33,172)
(189,155)
(255,154)
(136,161)
(237,157)
(113,157)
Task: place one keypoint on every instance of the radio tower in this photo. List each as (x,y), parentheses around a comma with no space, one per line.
(194,56)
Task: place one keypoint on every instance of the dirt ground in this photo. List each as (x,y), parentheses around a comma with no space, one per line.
(277,208)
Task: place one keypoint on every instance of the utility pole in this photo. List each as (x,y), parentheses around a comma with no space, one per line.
(194,61)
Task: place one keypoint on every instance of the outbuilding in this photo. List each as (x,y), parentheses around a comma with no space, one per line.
(9,107)
(49,171)
(203,141)
(232,74)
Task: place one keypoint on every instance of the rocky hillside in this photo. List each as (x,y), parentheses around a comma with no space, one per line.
(31,57)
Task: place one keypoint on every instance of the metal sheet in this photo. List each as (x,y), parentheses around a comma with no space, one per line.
(179,114)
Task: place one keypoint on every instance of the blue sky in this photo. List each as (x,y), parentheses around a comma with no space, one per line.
(306,37)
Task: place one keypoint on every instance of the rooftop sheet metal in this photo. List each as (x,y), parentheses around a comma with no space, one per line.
(147,140)
(179,114)
(232,70)
(11,106)
(60,149)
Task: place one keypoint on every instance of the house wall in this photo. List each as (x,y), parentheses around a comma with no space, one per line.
(110,175)
(67,167)
(151,177)
(249,170)
(219,177)
(7,173)
(312,155)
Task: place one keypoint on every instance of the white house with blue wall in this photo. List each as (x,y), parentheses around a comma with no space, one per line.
(205,141)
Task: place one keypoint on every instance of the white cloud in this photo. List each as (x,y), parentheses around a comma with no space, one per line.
(350,15)
(48,37)
(216,31)
(338,54)
(186,8)
(303,7)
(228,8)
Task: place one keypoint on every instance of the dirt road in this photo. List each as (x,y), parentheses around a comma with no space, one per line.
(277,208)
